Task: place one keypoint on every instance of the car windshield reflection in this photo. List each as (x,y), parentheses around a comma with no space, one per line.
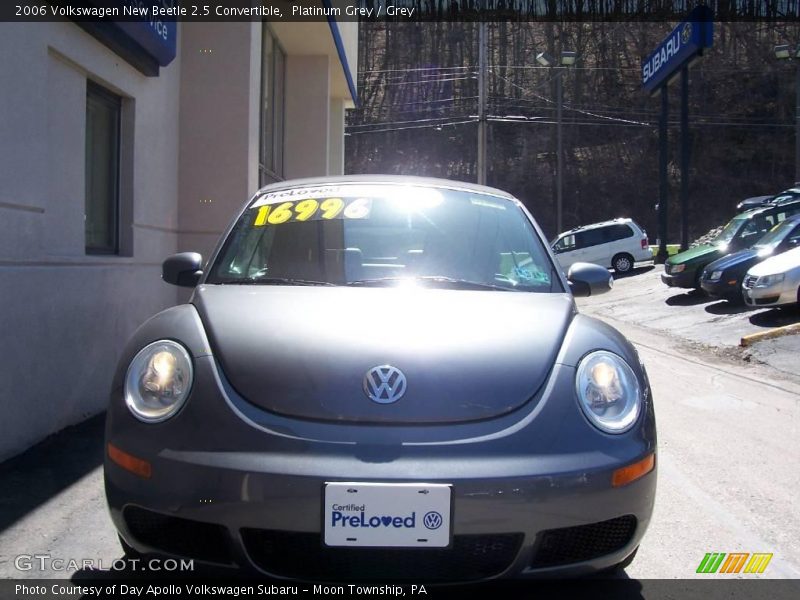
(386,235)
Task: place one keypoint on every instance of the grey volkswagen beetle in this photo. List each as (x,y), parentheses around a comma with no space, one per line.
(382,377)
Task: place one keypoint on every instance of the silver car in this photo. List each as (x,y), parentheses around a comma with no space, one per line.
(774,282)
(382,377)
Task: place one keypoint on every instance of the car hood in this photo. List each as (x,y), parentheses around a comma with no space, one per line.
(692,254)
(742,259)
(305,351)
(780,263)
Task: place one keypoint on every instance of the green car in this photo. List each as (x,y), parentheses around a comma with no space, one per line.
(745,229)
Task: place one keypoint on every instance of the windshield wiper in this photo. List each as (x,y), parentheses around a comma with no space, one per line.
(458,283)
(277,281)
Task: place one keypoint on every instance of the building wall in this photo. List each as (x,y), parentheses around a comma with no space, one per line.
(220,90)
(190,151)
(307,115)
(64,316)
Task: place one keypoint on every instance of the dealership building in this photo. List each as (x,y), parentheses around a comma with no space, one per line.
(120,144)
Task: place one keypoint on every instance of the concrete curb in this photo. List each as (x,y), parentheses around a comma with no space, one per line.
(751,339)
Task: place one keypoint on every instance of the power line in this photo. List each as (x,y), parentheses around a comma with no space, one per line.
(405,122)
(439,126)
(415,69)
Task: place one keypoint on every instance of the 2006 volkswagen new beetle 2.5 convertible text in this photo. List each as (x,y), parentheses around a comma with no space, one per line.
(382,377)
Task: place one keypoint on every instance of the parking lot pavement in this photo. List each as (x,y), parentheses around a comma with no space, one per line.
(53,506)
(713,325)
(727,425)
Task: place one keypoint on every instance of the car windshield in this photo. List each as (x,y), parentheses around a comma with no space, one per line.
(776,235)
(382,235)
(729,231)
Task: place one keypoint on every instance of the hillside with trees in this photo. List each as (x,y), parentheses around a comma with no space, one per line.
(419,105)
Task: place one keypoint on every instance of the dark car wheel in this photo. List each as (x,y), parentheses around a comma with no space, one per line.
(736,298)
(127,549)
(616,571)
(698,288)
(620,566)
(622,263)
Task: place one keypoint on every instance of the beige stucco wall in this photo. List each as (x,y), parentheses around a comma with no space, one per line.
(220,90)
(190,145)
(65,316)
(220,118)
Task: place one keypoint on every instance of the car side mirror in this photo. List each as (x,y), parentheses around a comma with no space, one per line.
(587,279)
(183,269)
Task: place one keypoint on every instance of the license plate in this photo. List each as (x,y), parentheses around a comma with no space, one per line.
(387,514)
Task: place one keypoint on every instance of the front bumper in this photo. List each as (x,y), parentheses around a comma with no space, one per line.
(684,279)
(724,287)
(776,295)
(516,516)
(248,491)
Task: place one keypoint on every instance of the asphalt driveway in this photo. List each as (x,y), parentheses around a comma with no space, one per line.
(712,326)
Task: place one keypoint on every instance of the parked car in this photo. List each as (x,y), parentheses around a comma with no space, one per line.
(685,269)
(771,200)
(774,282)
(785,196)
(616,244)
(754,202)
(723,277)
(381,376)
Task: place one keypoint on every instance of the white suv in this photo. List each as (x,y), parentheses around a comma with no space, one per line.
(617,244)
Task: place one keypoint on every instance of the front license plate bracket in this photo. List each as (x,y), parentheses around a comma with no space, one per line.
(387,515)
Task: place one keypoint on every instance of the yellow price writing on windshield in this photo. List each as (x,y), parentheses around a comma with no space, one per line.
(311,210)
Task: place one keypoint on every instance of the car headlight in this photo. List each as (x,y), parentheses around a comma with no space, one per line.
(715,276)
(677,268)
(769,280)
(158,381)
(608,391)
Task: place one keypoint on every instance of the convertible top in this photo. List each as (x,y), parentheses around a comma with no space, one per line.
(392,179)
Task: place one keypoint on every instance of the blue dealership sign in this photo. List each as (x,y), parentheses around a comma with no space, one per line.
(156,35)
(685,42)
(143,32)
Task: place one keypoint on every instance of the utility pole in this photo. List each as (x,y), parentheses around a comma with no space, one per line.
(482,43)
(685,149)
(559,151)
(567,59)
(663,182)
(797,123)
(784,52)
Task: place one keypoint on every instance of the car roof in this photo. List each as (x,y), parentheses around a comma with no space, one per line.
(792,190)
(769,207)
(617,221)
(386,179)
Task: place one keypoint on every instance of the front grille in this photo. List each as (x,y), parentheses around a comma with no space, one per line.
(750,282)
(584,542)
(173,535)
(303,556)
(667,268)
(767,300)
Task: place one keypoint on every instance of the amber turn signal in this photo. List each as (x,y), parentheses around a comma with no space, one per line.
(137,466)
(631,473)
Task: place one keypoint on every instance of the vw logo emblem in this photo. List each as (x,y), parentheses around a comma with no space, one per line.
(432,520)
(384,384)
